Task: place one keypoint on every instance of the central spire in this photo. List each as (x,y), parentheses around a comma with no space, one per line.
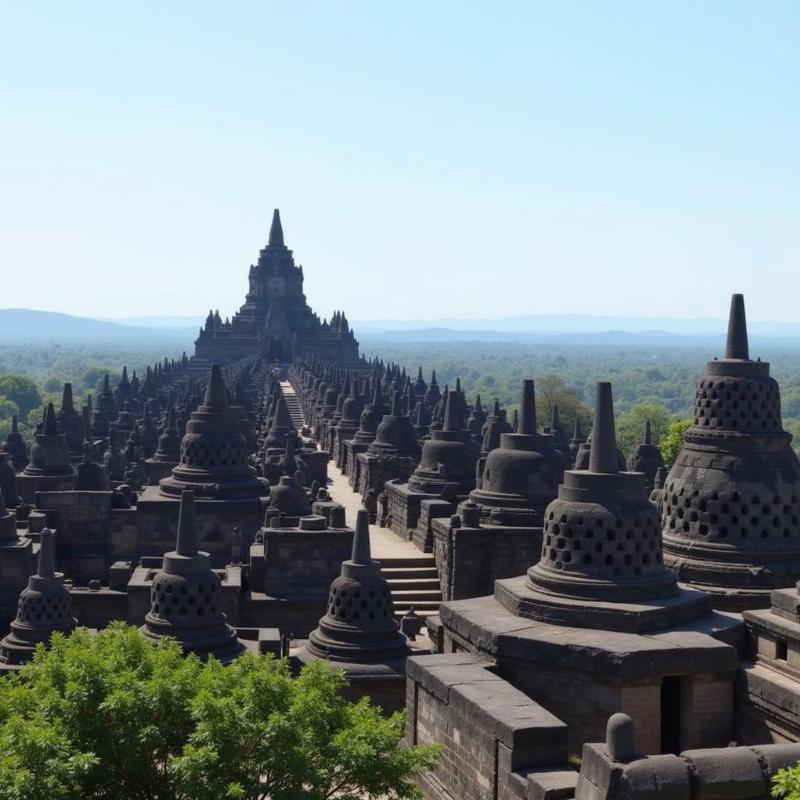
(603,453)
(527,417)
(276,230)
(736,346)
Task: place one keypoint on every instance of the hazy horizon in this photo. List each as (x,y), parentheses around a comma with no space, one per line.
(435,161)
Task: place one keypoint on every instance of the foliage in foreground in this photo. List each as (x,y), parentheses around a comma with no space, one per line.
(786,783)
(114,716)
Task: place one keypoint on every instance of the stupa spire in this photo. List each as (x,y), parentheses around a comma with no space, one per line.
(362,552)
(50,427)
(46,567)
(736,347)
(215,391)
(276,230)
(603,453)
(527,416)
(67,404)
(187,531)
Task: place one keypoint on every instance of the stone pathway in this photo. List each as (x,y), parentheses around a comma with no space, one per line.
(411,574)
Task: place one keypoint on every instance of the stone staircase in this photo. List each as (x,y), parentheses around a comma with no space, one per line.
(293,404)
(414,582)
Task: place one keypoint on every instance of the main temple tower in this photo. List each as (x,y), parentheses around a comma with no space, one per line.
(275,320)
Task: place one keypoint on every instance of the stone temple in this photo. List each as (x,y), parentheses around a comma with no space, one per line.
(565,624)
(275,321)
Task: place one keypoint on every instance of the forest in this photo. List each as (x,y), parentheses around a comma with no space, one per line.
(649,383)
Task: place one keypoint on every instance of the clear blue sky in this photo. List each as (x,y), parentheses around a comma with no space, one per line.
(429,159)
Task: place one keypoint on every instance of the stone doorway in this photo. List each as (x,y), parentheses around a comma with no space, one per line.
(671,714)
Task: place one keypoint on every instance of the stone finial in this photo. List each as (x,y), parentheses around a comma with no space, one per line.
(215,391)
(276,230)
(603,453)
(620,739)
(452,413)
(526,423)
(397,408)
(186,544)
(67,404)
(648,434)
(50,426)
(362,552)
(736,347)
(46,567)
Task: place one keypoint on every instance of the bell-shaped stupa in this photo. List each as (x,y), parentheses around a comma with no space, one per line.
(731,502)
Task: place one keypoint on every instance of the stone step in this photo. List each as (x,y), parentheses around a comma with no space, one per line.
(412,583)
(416,595)
(401,589)
(409,573)
(406,561)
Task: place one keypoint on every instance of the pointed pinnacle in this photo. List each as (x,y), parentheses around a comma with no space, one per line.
(186,544)
(215,391)
(50,427)
(47,558)
(603,454)
(362,553)
(66,399)
(736,345)
(527,415)
(648,434)
(276,230)
(397,408)
(452,414)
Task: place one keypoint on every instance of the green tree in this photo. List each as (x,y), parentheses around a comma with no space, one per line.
(20,390)
(7,408)
(551,390)
(671,444)
(630,426)
(114,716)
(786,783)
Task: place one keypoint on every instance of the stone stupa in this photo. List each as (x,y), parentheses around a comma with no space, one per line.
(214,459)
(731,502)
(359,632)
(186,597)
(44,607)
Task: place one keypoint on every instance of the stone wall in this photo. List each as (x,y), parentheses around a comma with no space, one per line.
(491,734)
(469,560)
(299,563)
(429,510)
(157,520)
(767,706)
(731,773)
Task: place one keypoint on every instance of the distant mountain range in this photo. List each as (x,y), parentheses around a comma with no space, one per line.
(579,323)
(27,324)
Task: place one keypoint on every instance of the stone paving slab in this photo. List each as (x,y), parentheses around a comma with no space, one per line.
(384,543)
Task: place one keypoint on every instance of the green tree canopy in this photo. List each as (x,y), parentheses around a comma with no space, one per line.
(114,717)
(20,390)
(786,783)
(630,426)
(551,390)
(7,408)
(671,444)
